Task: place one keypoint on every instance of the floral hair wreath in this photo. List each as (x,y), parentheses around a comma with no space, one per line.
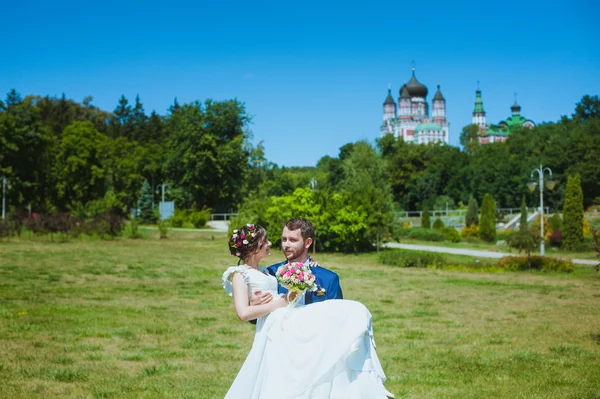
(242,237)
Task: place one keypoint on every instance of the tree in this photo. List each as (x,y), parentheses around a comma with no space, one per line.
(472,216)
(121,123)
(425,218)
(469,138)
(573,214)
(79,168)
(207,153)
(524,240)
(487,220)
(587,108)
(366,186)
(145,210)
(138,121)
(25,157)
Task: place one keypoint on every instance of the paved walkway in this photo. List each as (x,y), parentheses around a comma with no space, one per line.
(216,226)
(471,252)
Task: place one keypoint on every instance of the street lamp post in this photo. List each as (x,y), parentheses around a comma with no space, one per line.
(162,188)
(4,183)
(550,186)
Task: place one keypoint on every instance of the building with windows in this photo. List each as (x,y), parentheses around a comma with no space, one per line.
(409,118)
(498,132)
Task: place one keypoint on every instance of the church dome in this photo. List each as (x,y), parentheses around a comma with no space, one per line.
(516,108)
(404,92)
(389,100)
(415,88)
(438,95)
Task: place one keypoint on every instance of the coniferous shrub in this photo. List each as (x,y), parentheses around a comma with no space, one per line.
(425,218)
(145,211)
(438,224)
(573,214)
(472,216)
(487,219)
(523,239)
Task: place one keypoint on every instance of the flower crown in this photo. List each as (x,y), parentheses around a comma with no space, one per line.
(242,237)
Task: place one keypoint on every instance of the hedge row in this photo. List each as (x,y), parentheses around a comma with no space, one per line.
(63,224)
(536,262)
(407,258)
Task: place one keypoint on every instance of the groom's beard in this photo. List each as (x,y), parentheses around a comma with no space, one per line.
(296,256)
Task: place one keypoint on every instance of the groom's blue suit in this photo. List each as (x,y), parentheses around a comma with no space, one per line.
(325,279)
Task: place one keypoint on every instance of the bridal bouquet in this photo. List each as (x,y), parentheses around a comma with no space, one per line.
(297,278)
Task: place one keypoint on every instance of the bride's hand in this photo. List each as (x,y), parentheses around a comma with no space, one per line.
(260,298)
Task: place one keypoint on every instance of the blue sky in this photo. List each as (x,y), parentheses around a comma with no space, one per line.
(312,74)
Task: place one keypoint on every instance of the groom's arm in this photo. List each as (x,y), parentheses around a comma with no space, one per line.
(335,290)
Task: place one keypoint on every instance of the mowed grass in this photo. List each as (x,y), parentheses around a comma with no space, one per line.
(149,319)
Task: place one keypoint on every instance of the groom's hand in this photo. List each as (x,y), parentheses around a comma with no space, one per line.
(259,298)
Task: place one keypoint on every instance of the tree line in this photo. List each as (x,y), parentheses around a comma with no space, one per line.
(62,155)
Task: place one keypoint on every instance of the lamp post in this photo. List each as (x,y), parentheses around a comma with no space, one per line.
(4,183)
(550,184)
(162,189)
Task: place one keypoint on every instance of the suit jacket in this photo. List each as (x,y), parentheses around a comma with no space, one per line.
(326,279)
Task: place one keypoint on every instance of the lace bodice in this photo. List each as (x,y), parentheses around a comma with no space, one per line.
(255,279)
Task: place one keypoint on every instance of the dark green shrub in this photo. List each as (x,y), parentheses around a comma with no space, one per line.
(419,233)
(425,218)
(163,228)
(535,262)
(472,216)
(596,236)
(200,218)
(555,222)
(487,220)
(179,219)
(573,214)
(451,234)
(438,224)
(402,258)
(134,224)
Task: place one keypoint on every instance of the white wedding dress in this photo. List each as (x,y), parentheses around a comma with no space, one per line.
(324,350)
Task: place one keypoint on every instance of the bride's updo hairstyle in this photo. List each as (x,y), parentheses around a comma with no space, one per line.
(245,240)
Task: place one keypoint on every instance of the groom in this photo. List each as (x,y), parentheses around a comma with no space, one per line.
(296,239)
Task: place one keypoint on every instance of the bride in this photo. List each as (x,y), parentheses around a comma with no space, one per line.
(319,351)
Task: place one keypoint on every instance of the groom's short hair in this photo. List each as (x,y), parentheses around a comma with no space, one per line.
(306,227)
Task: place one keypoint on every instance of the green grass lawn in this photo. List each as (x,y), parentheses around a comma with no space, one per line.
(149,319)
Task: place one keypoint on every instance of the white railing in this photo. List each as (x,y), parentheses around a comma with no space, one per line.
(222,216)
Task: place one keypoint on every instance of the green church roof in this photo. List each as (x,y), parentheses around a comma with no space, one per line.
(478,103)
(427,126)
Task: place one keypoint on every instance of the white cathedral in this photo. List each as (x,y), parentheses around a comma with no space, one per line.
(411,121)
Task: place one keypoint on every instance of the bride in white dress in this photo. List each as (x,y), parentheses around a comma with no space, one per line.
(323,350)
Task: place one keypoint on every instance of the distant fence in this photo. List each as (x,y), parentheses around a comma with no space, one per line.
(222,216)
(460,212)
(455,217)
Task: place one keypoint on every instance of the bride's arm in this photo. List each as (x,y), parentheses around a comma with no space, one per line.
(244,311)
